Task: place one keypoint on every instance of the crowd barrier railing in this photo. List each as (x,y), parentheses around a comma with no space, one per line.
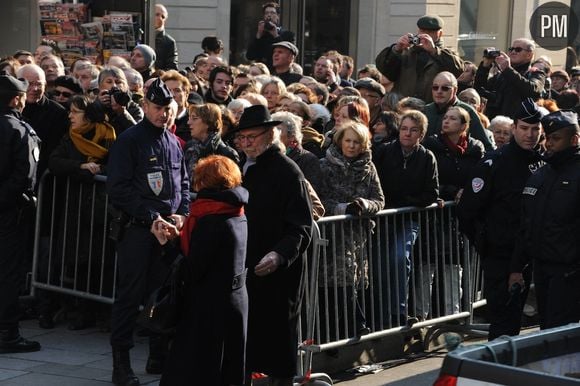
(401,269)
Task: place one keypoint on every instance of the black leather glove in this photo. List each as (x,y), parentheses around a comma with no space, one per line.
(354,208)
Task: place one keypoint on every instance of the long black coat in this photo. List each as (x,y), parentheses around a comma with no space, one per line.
(279,219)
(210,341)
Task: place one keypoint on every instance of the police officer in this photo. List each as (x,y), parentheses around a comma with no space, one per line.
(147,180)
(489,215)
(551,224)
(19,150)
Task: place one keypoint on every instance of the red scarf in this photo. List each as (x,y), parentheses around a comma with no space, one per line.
(457,148)
(203,207)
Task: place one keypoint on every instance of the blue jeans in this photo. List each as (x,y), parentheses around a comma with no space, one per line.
(401,242)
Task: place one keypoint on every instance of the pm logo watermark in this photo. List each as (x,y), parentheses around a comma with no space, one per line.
(553,25)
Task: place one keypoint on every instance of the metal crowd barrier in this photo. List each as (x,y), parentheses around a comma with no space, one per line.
(360,284)
(72,253)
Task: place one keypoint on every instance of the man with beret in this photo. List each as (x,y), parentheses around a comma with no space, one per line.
(550,224)
(444,92)
(489,215)
(279,223)
(65,87)
(18,159)
(269,32)
(414,60)
(283,55)
(513,82)
(147,180)
(165,46)
(143,60)
(373,92)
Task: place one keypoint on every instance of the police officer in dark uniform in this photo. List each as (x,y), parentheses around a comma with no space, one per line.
(489,215)
(19,151)
(551,224)
(147,180)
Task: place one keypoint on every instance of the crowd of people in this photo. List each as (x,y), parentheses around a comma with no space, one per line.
(229,166)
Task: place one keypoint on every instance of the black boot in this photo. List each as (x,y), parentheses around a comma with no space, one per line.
(157,353)
(12,342)
(123,374)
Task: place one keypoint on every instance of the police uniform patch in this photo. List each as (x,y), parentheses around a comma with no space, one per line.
(530,191)
(155,182)
(477,184)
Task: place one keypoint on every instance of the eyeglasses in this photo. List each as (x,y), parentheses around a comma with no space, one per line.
(249,138)
(444,88)
(65,94)
(517,49)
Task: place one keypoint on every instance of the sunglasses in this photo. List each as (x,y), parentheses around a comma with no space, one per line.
(517,49)
(65,94)
(444,88)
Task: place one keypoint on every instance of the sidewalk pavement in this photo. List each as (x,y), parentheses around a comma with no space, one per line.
(68,358)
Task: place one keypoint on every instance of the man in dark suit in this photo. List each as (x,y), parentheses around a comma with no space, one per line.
(165,46)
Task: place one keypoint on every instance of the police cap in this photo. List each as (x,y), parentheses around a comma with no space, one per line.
(11,85)
(159,93)
(558,120)
(529,112)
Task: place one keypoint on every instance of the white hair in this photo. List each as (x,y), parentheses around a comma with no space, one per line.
(319,111)
(238,103)
(500,120)
(291,123)
(31,68)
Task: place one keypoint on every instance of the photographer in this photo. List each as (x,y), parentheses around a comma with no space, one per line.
(414,60)
(116,100)
(269,32)
(513,83)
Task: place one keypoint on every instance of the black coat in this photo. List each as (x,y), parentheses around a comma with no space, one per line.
(18,158)
(551,215)
(506,90)
(489,209)
(210,340)
(279,219)
(50,121)
(166,50)
(260,50)
(411,182)
(453,168)
(309,164)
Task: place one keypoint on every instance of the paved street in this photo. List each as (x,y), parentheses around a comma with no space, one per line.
(83,358)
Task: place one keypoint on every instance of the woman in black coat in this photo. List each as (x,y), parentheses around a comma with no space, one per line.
(210,340)
(456,153)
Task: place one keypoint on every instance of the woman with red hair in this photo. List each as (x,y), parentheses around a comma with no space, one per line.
(210,340)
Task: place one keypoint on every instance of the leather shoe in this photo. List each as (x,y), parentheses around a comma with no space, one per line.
(18,345)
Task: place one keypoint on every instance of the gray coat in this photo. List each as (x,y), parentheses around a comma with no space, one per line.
(345,181)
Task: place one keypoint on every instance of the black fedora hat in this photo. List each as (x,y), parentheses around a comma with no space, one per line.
(256,116)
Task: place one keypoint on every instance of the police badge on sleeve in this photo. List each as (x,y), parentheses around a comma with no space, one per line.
(155,182)
(477,184)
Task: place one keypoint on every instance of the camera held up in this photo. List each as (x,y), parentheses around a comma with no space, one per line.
(491,53)
(414,40)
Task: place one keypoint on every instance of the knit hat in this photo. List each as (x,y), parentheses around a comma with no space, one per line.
(148,53)
(69,82)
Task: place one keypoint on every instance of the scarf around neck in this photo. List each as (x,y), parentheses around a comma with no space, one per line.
(104,133)
(200,208)
(456,148)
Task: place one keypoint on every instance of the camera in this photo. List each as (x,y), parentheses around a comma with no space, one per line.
(269,26)
(121,97)
(414,40)
(491,53)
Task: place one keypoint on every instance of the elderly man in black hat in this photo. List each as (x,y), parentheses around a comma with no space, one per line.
(283,55)
(489,215)
(19,156)
(551,224)
(414,60)
(371,91)
(279,223)
(147,180)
